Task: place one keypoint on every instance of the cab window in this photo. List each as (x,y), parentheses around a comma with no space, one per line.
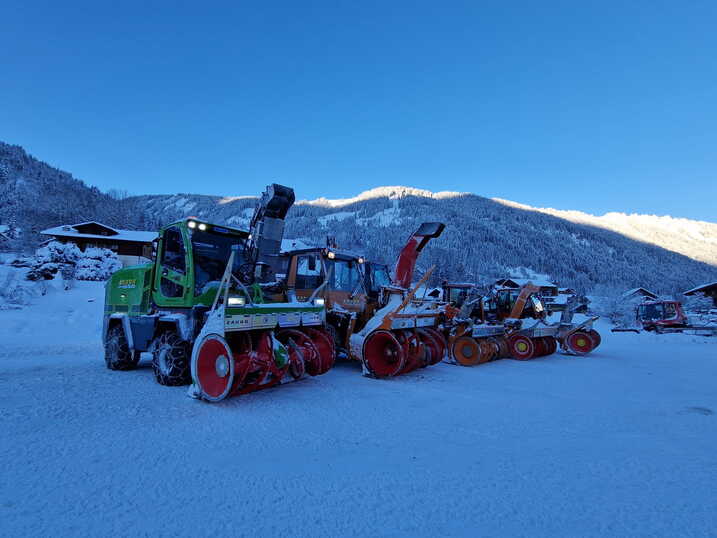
(308,272)
(173,250)
(346,276)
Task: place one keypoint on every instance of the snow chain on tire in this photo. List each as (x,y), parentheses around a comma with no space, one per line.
(118,356)
(171,360)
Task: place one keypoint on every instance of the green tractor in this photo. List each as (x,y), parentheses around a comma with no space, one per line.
(211,310)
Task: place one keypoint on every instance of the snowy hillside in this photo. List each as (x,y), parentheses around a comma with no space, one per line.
(35,196)
(484,238)
(693,238)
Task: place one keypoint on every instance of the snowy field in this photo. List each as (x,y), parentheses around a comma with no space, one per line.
(620,443)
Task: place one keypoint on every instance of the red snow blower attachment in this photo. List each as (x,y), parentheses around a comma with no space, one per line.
(403,272)
(402,335)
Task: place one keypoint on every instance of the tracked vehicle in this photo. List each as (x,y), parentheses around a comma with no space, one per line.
(210,309)
(373,315)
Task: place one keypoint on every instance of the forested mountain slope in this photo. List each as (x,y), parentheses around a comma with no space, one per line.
(484,238)
(35,196)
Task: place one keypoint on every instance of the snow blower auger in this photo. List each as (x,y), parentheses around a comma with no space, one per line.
(484,328)
(247,346)
(209,308)
(372,317)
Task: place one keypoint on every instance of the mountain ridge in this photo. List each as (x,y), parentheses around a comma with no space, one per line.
(484,237)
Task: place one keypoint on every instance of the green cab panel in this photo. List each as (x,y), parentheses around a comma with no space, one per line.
(129,290)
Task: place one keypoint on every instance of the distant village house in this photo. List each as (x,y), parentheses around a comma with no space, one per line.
(547,289)
(708,290)
(131,246)
(639,293)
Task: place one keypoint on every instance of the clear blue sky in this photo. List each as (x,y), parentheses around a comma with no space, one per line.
(594,106)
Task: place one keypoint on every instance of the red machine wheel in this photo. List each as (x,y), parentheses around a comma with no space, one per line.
(213,368)
(521,347)
(325,346)
(433,348)
(597,339)
(383,355)
(493,342)
(440,340)
(413,351)
(540,347)
(580,343)
(503,347)
(466,351)
(552,345)
(487,351)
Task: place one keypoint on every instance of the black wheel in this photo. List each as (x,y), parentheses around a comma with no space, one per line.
(117,353)
(170,360)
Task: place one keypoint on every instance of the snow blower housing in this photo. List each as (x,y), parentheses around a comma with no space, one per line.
(209,310)
(485,327)
(372,315)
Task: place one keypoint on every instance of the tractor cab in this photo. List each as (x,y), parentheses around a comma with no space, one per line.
(349,290)
(657,314)
(308,268)
(191,258)
(457,293)
(188,262)
(376,277)
(516,303)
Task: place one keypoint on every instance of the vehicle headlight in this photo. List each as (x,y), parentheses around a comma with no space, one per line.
(202,226)
(360,260)
(319,301)
(236,301)
(331,255)
(191,224)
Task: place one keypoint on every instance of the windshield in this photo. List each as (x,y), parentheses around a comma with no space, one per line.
(457,296)
(345,276)
(377,275)
(211,253)
(650,312)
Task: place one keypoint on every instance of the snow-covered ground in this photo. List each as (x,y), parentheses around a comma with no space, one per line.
(619,443)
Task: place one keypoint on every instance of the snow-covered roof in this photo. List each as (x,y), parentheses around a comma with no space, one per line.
(523,281)
(120,235)
(700,288)
(294,244)
(641,291)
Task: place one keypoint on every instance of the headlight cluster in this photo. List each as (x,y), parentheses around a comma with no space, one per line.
(191,224)
(236,301)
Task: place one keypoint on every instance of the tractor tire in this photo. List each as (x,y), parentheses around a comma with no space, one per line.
(117,353)
(171,360)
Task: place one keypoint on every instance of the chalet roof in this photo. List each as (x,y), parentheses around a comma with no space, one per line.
(641,291)
(70,231)
(702,288)
(520,282)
